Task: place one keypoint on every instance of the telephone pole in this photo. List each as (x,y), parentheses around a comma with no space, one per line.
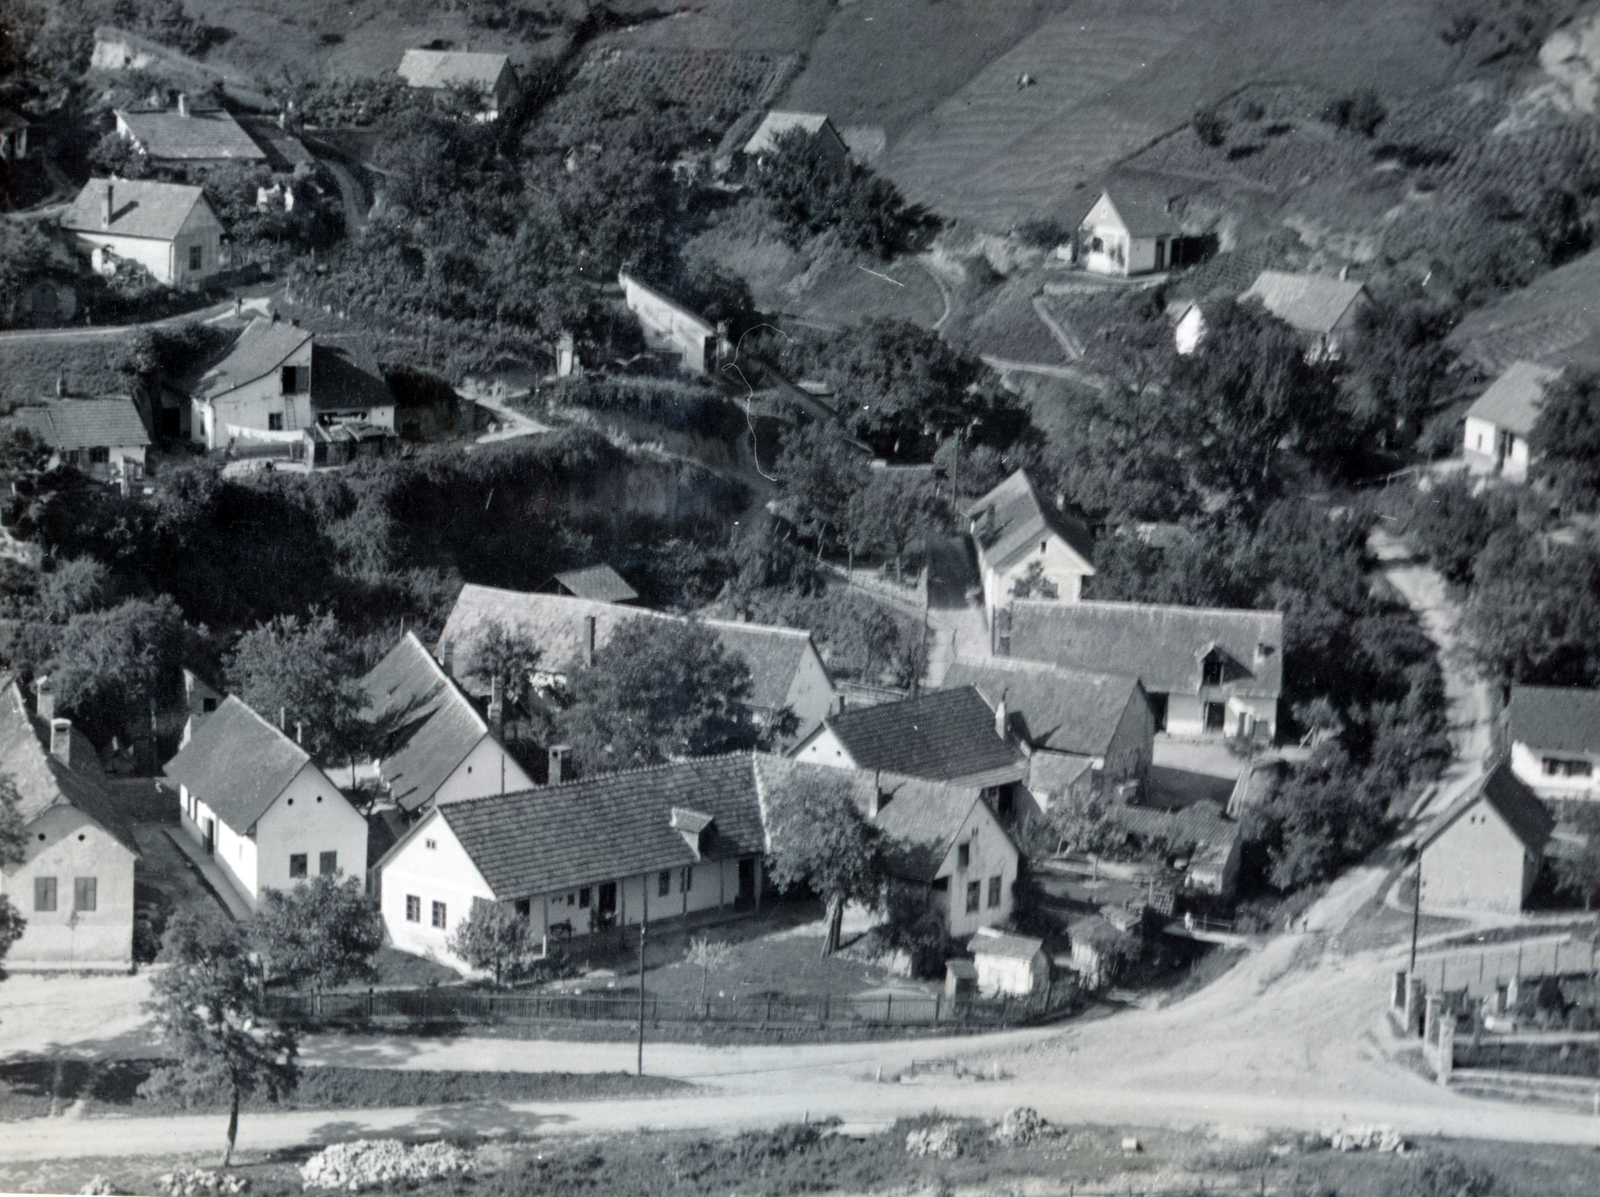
(642,928)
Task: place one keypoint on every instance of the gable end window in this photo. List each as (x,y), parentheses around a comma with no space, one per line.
(196,257)
(974,894)
(439,915)
(44,893)
(994,892)
(84,895)
(963,856)
(413,908)
(328,863)
(663,884)
(297,864)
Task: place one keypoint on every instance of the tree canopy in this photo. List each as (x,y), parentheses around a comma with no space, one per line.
(304,670)
(1566,435)
(12,924)
(322,934)
(820,839)
(493,937)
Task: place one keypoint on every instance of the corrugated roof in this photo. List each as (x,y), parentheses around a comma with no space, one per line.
(345,377)
(85,423)
(1021,520)
(237,764)
(598,582)
(435,724)
(989,942)
(1512,401)
(140,208)
(775,124)
(941,735)
(1143,213)
(1062,710)
(261,348)
(446,68)
(603,828)
(1164,646)
(1513,801)
(1310,303)
(1558,718)
(169,136)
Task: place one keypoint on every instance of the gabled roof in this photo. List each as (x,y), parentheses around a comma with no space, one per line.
(1557,718)
(173,137)
(1513,801)
(1200,823)
(556,625)
(1164,646)
(598,829)
(42,781)
(1309,303)
(1021,520)
(237,764)
(598,582)
(1512,401)
(1142,213)
(989,942)
(775,124)
(941,736)
(140,208)
(434,724)
(66,424)
(446,68)
(261,349)
(345,376)
(1062,710)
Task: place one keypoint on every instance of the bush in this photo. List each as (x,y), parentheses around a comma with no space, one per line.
(1210,127)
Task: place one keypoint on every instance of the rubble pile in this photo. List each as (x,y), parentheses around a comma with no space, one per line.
(1366,1138)
(100,1186)
(1019,1127)
(201,1182)
(366,1162)
(942,1142)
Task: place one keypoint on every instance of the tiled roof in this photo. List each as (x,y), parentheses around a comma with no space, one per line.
(556,625)
(262,347)
(1165,647)
(1052,773)
(1513,801)
(1200,823)
(44,782)
(283,149)
(1063,710)
(1021,520)
(989,942)
(140,208)
(598,582)
(237,764)
(444,68)
(1512,401)
(345,376)
(435,724)
(85,423)
(603,828)
(1143,213)
(170,136)
(1308,303)
(1558,718)
(942,735)
(775,124)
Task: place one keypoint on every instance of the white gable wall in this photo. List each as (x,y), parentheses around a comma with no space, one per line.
(1488,449)
(1062,566)
(430,866)
(487,769)
(991,854)
(826,749)
(253,404)
(66,844)
(1477,864)
(310,817)
(810,694)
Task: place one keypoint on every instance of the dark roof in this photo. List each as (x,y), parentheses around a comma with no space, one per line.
(1062,710)
(262,347)
(941,736)
(85,423)
(1020,519)
(598,582)
(173,137)
(1513,801)
(1201,823)
(140,208)
(1310,303)
(1559,718)
(237,764)
(444,68)
(1512,401)
(345,376)
(283,149)
(1165,647)
(602,828)
(989,942)
(435,725)
(1143,213)
(776,123)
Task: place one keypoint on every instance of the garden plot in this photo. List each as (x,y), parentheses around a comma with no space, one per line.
(716,86)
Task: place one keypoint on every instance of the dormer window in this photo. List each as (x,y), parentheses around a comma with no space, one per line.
(1212,672)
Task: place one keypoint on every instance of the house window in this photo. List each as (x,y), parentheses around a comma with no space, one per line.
(413,908)
(196,257)
(297,865)
(974,894)
(963,856)
(100,456)
(1213,672)
(687,880)
(290,379)
(44,893)
(664,883)
(430,843)
(438,915)
(84,893)
(1555,767)
(583,899)
(328,863)
(1043,544)
(208,705)
(994,892)
(1096,245)
(275,421)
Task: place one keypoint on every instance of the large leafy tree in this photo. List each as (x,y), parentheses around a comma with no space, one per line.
(821,470)
(893,510)
(493,937)
(12,924)
(1566,434)
(820,839)
(321,934)
(500,654)
(303,669)
(209,1008)
(1577,871)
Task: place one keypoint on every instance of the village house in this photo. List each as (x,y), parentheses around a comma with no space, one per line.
(642,846)
(75,884)
(440,749)
(1484,853)
(1322,310)
(1006,524)
(258,805)
(1553,733)
(1206,671)
(168,228)
(442,72)
(786,672)
(104,438)
(185,138)
(200,700)
(1125,234)
(1495,438)
(1200,842)
(599,583)
(1084,733)
(1008,965)
(670,327)
(829,146)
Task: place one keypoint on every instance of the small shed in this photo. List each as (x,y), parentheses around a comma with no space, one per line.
(1008,964)
(960,979)
(598,582)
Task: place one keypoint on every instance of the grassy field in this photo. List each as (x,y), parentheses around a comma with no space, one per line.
(1557,320)
(29,367)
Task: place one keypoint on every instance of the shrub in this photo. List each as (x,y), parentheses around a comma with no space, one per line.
(1210,127)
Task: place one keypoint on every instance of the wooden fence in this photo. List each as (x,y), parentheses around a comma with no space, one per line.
(1480,970)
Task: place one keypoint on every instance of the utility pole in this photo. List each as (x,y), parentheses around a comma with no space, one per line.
(1416,917)
(643,927)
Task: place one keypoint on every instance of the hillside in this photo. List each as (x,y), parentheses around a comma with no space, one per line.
(1555,321)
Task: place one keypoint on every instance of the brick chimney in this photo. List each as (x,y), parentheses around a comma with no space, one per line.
(497,705)
(588,625)
(45,691)
(447,658)
(61,741)
(105,207)
(558,763)
(1001,718)
(183,104)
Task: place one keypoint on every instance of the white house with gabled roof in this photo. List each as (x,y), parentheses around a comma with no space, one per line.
(1498,424)
(169,229)
(1016,534)
(1126,233)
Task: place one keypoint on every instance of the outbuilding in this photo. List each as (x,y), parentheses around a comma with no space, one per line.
(1495,438)
(1485,851)
(1008,965)
(169,229)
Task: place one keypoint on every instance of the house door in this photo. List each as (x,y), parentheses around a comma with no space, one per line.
(211,837)
(1161,255)
(1216,716)
(747,881)
(1244,725)
(1158,710)
(608,903)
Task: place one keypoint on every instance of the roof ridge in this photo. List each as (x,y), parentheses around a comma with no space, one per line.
(579,781)
(450,682)
(1120,604)
(1024,665)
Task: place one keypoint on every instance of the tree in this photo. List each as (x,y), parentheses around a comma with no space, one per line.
(1577,870)
(12,924)
(209,1007)
(1083,824)
(821,839)
(1566,433)
(303,670)
(1033,584)
(495,938)
(322,934)
(894,510)
(706,954)
(1210,127)
(821,470)
(659,690)
(500,653)
(21,450)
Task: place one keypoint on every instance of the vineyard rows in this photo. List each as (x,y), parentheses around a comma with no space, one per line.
(716,87)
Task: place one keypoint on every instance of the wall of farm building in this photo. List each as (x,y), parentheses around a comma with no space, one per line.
(1482,444)
(1061,565)
(1186,714)
(431,866)
(73,846)
(1528,764)
(811,693)
(1477,864)
(667,326)
(235,854)
(1006,974)
(309,818)
(712,885)
(991,855)
(487,769)
(252,404)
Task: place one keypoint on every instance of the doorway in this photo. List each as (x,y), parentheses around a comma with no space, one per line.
(747,881)
(1216,716)
(211,837)
(1158,710)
